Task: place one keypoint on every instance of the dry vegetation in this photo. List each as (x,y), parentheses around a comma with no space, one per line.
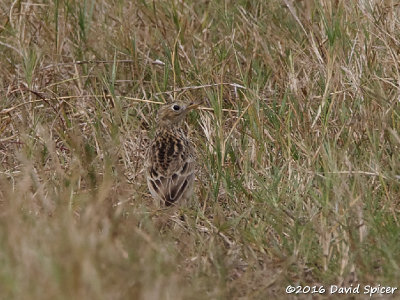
(299,168)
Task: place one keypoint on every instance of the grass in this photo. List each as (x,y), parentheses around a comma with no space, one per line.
(298,144)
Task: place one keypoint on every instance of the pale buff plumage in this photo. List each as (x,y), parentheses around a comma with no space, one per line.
(170,159)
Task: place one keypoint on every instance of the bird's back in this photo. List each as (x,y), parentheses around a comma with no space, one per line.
(170,167)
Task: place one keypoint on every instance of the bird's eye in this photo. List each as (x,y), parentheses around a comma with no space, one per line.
(176,107)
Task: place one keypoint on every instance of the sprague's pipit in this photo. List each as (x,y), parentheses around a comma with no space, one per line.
(170,159)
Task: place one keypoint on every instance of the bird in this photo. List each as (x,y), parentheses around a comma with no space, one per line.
(170,159)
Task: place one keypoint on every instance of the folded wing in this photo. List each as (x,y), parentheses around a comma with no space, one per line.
(171,188)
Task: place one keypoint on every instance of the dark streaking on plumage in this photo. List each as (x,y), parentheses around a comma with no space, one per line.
(170,161)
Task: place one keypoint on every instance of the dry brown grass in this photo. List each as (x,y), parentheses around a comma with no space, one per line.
(299,147)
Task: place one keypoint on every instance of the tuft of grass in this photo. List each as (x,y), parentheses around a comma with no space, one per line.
(298,145)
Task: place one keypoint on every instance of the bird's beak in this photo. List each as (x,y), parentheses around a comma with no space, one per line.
(194,105)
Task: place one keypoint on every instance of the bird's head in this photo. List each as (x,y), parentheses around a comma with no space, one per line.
(172,114)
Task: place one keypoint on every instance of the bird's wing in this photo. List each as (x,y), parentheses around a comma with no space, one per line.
(171,187)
